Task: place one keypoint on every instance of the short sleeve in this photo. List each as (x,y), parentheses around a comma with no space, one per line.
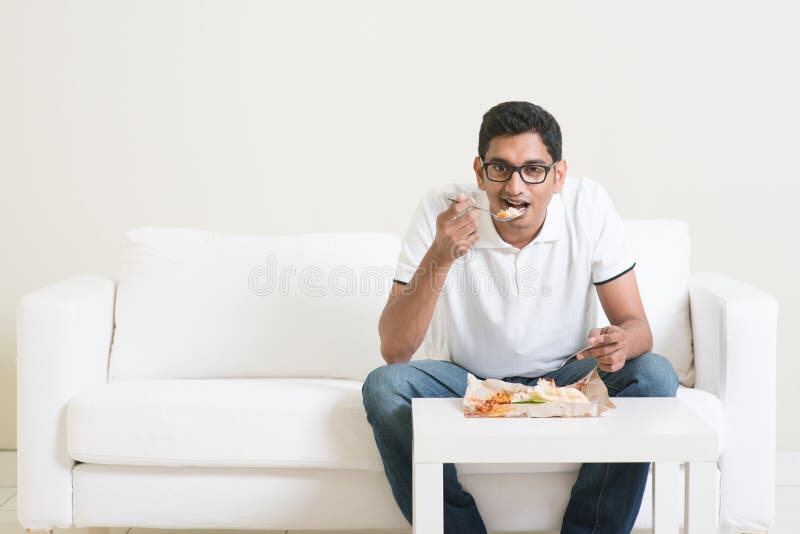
(418,237)
(611,256)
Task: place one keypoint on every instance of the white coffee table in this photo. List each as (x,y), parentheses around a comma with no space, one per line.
(659,430)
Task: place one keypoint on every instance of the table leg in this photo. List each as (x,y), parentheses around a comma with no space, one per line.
(428,499)
(666,509)
(701,490)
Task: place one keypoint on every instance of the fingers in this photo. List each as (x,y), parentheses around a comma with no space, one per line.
(611,362)
(595,332)
(457,226)
(603,339)
(599,350)
(603,344)
(462,230)
(608,346)
(607,334)
(457,209)
(466,219)
(459,214)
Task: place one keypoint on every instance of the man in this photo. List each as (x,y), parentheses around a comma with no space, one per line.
(521,323)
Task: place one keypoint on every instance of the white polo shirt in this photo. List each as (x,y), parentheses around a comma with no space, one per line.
(506,311)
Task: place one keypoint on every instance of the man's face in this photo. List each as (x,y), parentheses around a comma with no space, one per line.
(522,149)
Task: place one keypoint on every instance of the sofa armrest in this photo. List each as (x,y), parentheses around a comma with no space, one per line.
(734,329)
(63,340)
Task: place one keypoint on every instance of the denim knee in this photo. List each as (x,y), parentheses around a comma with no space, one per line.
(655,375)
(384,387)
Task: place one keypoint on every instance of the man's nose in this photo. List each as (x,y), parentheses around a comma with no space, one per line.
(515,185)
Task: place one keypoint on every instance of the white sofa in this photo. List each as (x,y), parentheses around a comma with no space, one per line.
(217,384)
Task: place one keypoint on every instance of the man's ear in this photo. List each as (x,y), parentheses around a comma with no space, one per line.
(561,173)
(478,167)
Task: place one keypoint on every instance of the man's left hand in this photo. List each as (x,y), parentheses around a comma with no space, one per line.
(610,347)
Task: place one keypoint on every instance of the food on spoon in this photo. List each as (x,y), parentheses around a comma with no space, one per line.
(509,213)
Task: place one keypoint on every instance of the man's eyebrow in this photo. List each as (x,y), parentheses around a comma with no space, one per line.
(527,162)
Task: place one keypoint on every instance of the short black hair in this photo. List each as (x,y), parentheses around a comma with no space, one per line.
(514,118)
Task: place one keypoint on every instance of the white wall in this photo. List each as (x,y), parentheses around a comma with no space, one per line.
(228,115)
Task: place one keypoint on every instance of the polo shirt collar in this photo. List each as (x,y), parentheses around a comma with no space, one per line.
(552,229)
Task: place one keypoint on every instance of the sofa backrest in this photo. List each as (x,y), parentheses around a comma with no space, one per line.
(661,251)
(197,304)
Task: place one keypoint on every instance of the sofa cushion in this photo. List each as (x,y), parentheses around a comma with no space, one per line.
(661,251)
(280,423)
(234,423)
(196,304)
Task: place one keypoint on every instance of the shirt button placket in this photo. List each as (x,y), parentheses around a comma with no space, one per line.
(518,263)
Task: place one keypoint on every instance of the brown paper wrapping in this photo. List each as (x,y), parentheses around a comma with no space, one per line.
(591,385)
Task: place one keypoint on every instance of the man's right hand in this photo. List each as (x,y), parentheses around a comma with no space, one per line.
(456,230)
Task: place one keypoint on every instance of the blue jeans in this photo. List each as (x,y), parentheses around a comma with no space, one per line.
(605,498)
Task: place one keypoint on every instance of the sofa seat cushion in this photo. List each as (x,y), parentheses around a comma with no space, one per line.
(223,422)
(278,423)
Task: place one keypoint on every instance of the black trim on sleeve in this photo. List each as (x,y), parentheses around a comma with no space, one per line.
(615,277)
(396,281)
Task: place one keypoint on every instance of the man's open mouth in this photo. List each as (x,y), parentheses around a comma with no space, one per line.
(518,205)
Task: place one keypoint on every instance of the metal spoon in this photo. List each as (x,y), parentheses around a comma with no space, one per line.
(495,216)
(575,355)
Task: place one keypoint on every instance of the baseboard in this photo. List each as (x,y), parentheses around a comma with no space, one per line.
(788,468)
(8,469)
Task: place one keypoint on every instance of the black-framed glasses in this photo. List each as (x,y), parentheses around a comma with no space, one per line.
(497,171)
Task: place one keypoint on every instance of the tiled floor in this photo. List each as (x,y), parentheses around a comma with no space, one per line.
(788,519)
